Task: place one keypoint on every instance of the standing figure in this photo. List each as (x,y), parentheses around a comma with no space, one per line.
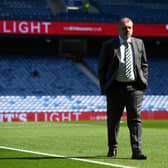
(123,76)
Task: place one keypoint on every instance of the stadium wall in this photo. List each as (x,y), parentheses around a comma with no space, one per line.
(71,108)
(36,35)
(20,27)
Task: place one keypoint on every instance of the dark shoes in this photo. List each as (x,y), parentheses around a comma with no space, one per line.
(139,157)
(112,153)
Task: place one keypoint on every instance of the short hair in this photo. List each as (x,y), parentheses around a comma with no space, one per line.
(125,18)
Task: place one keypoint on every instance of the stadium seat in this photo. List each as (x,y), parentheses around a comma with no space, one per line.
(22,9)
(40,75)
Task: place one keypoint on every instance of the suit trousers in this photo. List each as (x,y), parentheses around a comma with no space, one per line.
(125,95)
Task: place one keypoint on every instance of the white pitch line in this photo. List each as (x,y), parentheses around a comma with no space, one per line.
(61,156)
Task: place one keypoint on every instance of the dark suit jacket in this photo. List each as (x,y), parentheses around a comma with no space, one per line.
(109,63)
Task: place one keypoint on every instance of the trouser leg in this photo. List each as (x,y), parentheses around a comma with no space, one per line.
(115,109)
(133,107)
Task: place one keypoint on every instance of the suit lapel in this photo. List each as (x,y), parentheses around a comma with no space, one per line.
(135,49)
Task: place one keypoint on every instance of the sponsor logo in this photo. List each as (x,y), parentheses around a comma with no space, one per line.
(51,116)
(166,26)
(25,27)
(10,117)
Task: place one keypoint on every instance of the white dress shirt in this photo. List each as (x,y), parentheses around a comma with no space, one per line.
(121,77)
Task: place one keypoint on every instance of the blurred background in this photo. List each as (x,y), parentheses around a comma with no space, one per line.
(49,53)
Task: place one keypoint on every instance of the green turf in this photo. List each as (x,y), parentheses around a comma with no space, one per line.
(79,139)
(13,159)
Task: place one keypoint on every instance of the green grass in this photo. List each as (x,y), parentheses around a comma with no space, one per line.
(87,140)
(13,159)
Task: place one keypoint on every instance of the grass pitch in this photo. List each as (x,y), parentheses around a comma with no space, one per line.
(85,140)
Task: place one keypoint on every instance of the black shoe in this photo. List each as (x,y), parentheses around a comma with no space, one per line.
(139,157)
(112,153)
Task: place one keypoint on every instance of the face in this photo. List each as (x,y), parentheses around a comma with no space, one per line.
(125,28)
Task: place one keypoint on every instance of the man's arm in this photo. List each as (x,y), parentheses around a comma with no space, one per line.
(144,63)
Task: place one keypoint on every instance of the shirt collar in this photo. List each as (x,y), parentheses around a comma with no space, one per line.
(122,41)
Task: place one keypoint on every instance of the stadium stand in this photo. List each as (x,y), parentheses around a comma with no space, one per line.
(39,82)
(43,75)
(23,9)
(140,11)
(71,103)
(77,3)
(102,11)
(53,75)
(43,83)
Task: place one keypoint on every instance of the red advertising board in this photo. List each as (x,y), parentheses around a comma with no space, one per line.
(69,116)
(77,28)
(51,116)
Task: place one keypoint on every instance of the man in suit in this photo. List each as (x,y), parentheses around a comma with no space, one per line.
(123,76)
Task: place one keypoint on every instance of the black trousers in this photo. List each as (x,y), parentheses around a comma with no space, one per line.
(120,96)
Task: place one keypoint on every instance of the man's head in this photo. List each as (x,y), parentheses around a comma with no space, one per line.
(125,28)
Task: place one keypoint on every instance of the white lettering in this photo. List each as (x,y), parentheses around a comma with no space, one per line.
(22,117)
(25,27)
(45,117)
(54,117)
(64,117)
(9,117)
(77,28)
(46,26)
(5,28)
(14,27)
(35,27)
(76,116)
(166,26)
(1,118)
(35,117)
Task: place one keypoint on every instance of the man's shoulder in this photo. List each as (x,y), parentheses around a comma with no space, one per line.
(136,39)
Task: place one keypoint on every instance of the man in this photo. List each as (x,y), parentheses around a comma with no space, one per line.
(123,74)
